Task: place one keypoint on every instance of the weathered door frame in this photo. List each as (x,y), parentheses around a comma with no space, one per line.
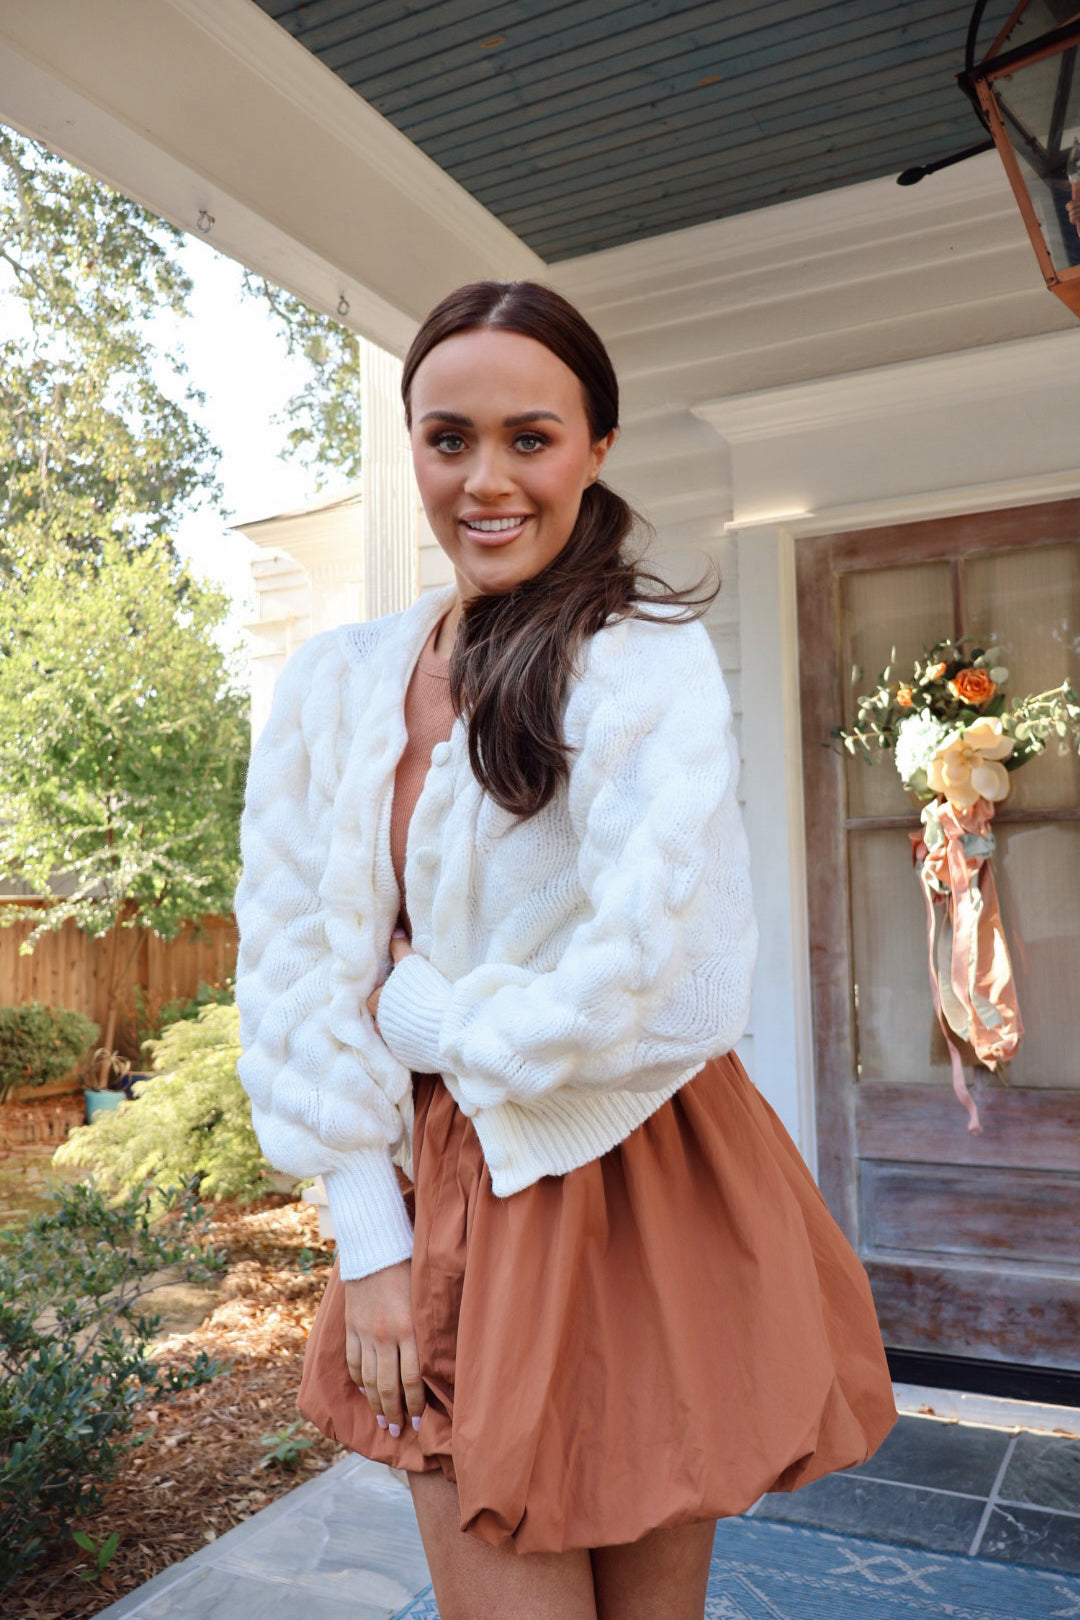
(875,1119)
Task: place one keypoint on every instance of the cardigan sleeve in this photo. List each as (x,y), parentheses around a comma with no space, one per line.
(319,1104)
(655,979)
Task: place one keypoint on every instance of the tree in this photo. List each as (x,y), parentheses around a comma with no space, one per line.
(96,436)
(323,417)
(123,740)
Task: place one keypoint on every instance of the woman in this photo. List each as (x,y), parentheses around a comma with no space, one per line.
(496,910)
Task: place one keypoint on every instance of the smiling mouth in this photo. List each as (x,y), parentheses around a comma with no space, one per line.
(494,531)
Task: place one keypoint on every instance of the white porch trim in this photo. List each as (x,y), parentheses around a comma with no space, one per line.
(973,376)
(209,106)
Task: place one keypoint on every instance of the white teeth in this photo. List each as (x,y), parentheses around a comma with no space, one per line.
(493,525)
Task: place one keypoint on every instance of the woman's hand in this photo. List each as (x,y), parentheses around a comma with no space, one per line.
(380,1346)
(399,950)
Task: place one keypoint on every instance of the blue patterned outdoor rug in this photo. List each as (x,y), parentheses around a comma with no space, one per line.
(774,1571)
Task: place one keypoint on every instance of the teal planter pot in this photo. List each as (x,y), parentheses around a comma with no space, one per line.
(101,1102)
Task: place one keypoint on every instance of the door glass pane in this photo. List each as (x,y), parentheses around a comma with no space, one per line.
(909,608)
(1037,871)
(897,1034)
(1028,602)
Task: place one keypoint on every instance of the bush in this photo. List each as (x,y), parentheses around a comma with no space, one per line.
(189,1123)
(39,1044)
(152,1016)
(73,1353)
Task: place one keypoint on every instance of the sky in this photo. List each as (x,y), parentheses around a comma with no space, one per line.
(236,355)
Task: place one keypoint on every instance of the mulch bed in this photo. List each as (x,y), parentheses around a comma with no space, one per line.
(200,1469)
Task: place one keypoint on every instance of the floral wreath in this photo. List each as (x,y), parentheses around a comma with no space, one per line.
(955,737)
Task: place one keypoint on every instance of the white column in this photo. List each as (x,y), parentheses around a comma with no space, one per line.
(772,788)
(388,497)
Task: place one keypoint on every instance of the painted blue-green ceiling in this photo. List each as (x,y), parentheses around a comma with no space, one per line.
(596,122)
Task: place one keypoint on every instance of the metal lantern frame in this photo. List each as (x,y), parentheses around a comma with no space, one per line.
(979,82)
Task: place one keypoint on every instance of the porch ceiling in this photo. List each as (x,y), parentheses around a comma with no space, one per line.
(587,124)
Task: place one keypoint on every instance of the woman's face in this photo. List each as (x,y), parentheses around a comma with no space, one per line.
(502,450)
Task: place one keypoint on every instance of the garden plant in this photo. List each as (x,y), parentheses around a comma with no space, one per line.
(189,1122)
(39,1044)
(74,1361)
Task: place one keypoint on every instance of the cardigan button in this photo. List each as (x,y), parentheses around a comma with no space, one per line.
(440,753)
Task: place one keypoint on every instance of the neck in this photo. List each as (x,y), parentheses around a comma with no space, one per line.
(444,641)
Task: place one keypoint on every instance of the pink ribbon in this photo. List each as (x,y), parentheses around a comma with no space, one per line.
(971,978)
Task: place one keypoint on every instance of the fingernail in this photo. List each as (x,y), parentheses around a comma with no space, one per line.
(381,1421)
(416,1423)
(395,1431)
(361,1388)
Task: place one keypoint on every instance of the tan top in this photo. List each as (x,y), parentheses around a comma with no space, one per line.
(429,716)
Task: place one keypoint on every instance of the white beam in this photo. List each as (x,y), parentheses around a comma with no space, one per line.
(209,106)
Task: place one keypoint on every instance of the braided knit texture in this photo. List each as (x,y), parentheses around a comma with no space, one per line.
(570,971)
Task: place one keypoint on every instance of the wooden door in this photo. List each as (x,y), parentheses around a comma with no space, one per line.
(972,1243)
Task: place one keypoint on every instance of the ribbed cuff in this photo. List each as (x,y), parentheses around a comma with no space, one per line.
(413,1004)
(371,1224)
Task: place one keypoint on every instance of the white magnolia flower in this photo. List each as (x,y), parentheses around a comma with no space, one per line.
(968,767)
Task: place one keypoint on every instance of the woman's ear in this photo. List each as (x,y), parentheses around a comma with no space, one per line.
(600,453)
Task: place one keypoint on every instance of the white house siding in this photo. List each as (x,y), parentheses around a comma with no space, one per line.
(853,281)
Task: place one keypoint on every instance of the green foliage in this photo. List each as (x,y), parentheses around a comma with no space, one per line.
(1043,718)
(323,417)
(74,1363)
(201,1371)
(96,439)
(102,1554)
(284,1446)
(39,1044)
(189,1122)
(151,1020)
(123,742)
(309,1260)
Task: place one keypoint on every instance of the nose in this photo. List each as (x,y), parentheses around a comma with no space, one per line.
(488,475)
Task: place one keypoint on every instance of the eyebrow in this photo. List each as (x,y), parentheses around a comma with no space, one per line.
(520,420)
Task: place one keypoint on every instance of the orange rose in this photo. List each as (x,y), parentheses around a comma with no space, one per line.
(935,672)
(905,697)
(972,686)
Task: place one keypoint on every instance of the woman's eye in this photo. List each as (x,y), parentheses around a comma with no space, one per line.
(448,440)
(530,442)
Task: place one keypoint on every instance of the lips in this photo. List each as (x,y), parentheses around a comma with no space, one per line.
(494,529)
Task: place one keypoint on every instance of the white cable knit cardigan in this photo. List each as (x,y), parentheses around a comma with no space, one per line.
(571,971)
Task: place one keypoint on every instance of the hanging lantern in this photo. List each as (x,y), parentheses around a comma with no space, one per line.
(1027,92)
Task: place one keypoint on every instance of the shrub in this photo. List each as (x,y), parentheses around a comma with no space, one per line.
(189,1122)
(152,1016)
(39,1044)
(73,1353)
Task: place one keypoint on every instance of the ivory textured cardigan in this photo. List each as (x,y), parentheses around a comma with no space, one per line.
(571,971)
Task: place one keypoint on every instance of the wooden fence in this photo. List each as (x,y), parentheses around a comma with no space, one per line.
(69,969)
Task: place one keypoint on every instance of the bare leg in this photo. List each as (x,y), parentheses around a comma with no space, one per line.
(476,1582)
(661,1577)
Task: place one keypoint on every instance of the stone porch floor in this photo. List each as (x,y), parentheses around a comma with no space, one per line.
(996,1480)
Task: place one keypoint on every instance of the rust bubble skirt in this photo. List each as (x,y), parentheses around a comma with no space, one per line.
(656,1337)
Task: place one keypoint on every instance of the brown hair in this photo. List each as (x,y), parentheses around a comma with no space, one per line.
(515,652)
